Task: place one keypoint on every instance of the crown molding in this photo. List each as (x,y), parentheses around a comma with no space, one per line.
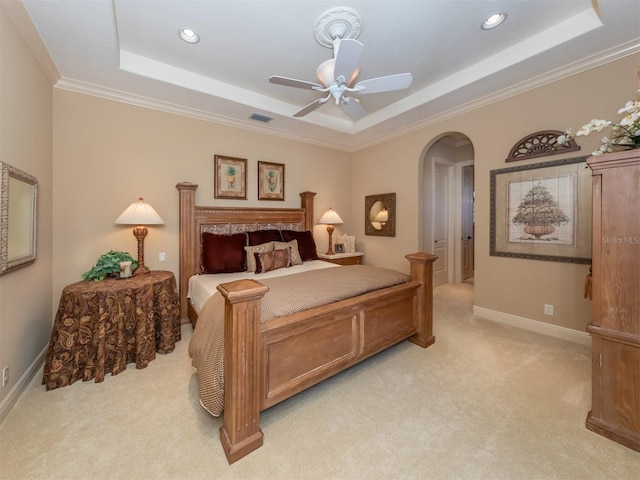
(593,61)
(19,15)
(154,104)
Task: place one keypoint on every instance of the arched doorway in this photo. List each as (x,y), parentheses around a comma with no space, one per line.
(447,207)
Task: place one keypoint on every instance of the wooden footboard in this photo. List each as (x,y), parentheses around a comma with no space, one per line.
(268,363)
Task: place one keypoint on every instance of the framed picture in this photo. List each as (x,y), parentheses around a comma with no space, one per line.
(270,181)
(230,177)
(339,247)
(542,211)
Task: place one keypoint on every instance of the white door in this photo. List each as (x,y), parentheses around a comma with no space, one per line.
(467,222)
(440,224)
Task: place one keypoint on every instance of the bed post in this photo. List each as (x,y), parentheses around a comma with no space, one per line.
(240,433)
(187,243)
(422,271)
(306,202)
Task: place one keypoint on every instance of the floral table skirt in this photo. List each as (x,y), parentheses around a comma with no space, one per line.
(100,327)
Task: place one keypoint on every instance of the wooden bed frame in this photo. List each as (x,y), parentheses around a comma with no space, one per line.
(270,362)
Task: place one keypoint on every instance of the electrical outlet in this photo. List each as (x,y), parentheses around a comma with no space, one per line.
(548,309)
(5,375)
(162,256)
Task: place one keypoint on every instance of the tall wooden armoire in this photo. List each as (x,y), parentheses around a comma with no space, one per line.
(615,325)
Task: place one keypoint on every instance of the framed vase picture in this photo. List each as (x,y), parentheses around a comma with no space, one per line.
(270,181)
(542,211)
(230,177)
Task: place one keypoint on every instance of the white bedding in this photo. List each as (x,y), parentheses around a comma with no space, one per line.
(201,287)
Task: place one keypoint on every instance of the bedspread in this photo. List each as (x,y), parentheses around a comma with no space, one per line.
(287,295)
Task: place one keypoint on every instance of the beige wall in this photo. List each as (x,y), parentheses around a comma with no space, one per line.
(25,143)
(513,286)
(107,154)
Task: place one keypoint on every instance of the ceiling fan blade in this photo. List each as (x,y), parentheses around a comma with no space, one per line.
(384,84)
(347,58)
(311,107)
(353,107)
(292,82)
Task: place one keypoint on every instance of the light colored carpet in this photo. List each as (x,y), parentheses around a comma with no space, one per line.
(485,402)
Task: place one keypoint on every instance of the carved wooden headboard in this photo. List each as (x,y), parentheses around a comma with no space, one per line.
(194,220)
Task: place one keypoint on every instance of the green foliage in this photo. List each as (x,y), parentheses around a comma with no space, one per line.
(107,264)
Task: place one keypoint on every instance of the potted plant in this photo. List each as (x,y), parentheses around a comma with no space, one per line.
(539,212)
(108,265)
(231,176)
(272,180)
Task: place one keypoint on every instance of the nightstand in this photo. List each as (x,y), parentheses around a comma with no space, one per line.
(354,258)
(102,326)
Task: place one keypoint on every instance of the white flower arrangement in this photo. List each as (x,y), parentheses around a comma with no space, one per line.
(624,135)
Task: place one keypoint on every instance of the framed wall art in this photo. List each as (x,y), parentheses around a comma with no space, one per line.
(542,211)
(230,177)
(270,181)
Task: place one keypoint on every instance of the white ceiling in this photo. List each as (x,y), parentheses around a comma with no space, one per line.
(129,50)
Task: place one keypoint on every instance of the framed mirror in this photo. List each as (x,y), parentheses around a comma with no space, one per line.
(380,215)
(18,206)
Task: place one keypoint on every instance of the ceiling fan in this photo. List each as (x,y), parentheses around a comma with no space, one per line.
(337,28)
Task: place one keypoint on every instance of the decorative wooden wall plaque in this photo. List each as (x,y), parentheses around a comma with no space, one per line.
(541,144)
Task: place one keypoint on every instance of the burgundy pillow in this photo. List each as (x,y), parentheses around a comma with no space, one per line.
(223,253)
(306,243)
(264,236)
(267,261)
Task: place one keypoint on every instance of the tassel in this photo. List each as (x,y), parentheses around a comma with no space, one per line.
(588,285)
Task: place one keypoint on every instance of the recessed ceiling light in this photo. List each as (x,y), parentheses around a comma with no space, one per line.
(494,20)
(188,35)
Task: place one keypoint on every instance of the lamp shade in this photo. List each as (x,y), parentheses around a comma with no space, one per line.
(330,217)
(139,213)
(326,75)
(382,216)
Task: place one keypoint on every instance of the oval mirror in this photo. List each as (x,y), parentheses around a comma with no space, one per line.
(380,215)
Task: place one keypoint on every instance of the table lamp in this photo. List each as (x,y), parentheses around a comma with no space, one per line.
(139,214)
(330,218)
(382,217)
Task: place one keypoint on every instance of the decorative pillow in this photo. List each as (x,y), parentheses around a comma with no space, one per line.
(251,260)
(293,246)
(264,236)
(222,253)
(272,260)
(306,243)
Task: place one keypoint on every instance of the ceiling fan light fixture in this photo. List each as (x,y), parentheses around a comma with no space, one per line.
(494,20)
(326,73)
(188,35)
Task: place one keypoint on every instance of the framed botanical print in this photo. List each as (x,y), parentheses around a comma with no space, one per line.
(230,177)
(270,181)
(542,211)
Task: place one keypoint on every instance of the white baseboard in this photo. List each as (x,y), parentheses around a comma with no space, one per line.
(9,401)
(563,333)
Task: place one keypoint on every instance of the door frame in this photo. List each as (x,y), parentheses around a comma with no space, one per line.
(457,219)
(451,250)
